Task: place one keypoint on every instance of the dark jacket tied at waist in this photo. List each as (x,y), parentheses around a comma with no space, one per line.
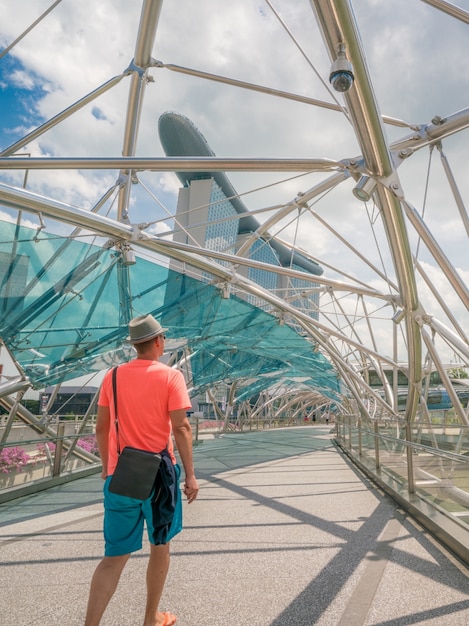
(165,498)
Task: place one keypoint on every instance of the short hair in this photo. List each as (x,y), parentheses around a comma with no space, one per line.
(145,345)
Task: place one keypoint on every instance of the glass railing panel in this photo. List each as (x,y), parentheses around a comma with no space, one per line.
(443,478)
(368,445)
(439,453)
(442,436)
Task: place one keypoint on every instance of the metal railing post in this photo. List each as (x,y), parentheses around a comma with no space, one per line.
(410,459)
(58,449)
(377,462)
(359,425)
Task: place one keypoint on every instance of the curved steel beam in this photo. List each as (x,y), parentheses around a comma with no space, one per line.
(338,25)
(267,90)
(19,383)
(445,379)
(336,20)
(170,164)
(454,188)
(21,199)
(235,260)
(145,39)
(432,133)
(450,272)
(300,201)
(459,344)
(450,9)
(106,227)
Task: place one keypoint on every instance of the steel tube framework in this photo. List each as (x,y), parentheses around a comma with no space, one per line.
(349,322)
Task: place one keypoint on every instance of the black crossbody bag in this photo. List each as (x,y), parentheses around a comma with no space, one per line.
(136,470)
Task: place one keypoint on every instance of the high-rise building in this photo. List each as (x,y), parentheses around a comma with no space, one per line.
(210,213)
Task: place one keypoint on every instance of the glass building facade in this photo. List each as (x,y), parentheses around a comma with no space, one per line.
(221,233)
(206,217)
(211,214)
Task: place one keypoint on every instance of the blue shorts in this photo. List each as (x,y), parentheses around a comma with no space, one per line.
(124,519)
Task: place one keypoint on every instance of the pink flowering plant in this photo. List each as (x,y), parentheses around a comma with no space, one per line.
(89,444)
(41,448)
(13,459)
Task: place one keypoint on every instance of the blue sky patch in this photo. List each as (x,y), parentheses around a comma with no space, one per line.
(98,113)
(18,102)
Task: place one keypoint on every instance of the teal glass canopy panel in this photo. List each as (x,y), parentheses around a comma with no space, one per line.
(65,305)
(231,340)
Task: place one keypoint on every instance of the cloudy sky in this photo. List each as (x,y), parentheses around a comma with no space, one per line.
(415,56)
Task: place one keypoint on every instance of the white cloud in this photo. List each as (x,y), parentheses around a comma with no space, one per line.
(23,80)
(6,216)
(169,182)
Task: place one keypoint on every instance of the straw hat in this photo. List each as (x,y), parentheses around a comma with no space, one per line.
(143,328)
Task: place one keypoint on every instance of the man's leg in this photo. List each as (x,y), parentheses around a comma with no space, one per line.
(157,570)
(103,585)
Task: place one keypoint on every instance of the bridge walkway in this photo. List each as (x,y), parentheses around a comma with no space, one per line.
(286,532)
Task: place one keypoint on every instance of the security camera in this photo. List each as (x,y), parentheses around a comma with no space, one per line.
(341,76)
(341,80)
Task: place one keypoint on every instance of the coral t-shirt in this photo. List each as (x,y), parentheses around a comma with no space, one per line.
(146,392)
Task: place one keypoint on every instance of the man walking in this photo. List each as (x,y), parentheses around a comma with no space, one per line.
(152,399)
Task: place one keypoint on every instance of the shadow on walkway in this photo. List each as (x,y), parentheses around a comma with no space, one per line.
(285,532)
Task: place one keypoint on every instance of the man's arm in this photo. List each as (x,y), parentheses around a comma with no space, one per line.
(103,422)
(183,436)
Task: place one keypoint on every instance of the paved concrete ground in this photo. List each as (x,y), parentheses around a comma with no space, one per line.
(285,532)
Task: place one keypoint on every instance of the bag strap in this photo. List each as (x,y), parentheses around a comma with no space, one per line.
(114,393)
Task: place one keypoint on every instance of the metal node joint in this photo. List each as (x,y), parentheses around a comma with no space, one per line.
(392,183)
(421,318)
(356,167)
(123,178)
(398,156)
(427,319)
(225,288)
(127,254)
(135,69)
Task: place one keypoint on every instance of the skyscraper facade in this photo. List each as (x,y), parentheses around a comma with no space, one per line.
(210,214)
